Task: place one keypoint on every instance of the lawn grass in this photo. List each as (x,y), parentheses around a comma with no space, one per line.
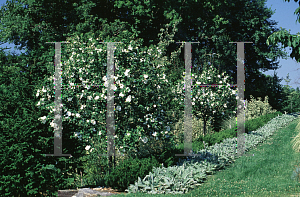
(267,173)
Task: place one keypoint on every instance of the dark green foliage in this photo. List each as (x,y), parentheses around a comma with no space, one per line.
(160,149)
(291,103)
(95,176)
(128,171)
(251,125)
(25,171)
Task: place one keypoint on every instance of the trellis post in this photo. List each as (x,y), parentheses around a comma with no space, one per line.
(188,107)
(188,104)
(58,103)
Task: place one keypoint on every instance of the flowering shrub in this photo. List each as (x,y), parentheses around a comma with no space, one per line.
(257,108)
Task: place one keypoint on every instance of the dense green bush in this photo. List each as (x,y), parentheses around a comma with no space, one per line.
(250,125)
(128,171)
(96,167)
(25,170)
(163,150)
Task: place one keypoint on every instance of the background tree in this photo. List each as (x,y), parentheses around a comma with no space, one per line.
(199,23)
(288,97)
(286,39)
(287,80)
(295,100)
(224,27)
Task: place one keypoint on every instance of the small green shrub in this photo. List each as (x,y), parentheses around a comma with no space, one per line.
(96,165)
(252,124)
(163,150)
(93,173)
(128,171)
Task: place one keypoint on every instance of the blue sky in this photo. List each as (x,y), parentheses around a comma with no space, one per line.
(284,15)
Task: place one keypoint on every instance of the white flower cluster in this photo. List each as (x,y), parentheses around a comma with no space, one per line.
(208,97)
(83,70)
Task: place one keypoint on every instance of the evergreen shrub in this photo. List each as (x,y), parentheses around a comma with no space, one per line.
(128,171)
(96,168)
(163,150)
(24,169)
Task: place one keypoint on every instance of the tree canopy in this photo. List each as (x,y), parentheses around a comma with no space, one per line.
(286,39)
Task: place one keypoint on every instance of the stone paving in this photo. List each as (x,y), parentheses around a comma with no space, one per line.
(87,192)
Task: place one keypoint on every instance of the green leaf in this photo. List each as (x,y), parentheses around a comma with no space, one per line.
(294,42)
(289,43)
